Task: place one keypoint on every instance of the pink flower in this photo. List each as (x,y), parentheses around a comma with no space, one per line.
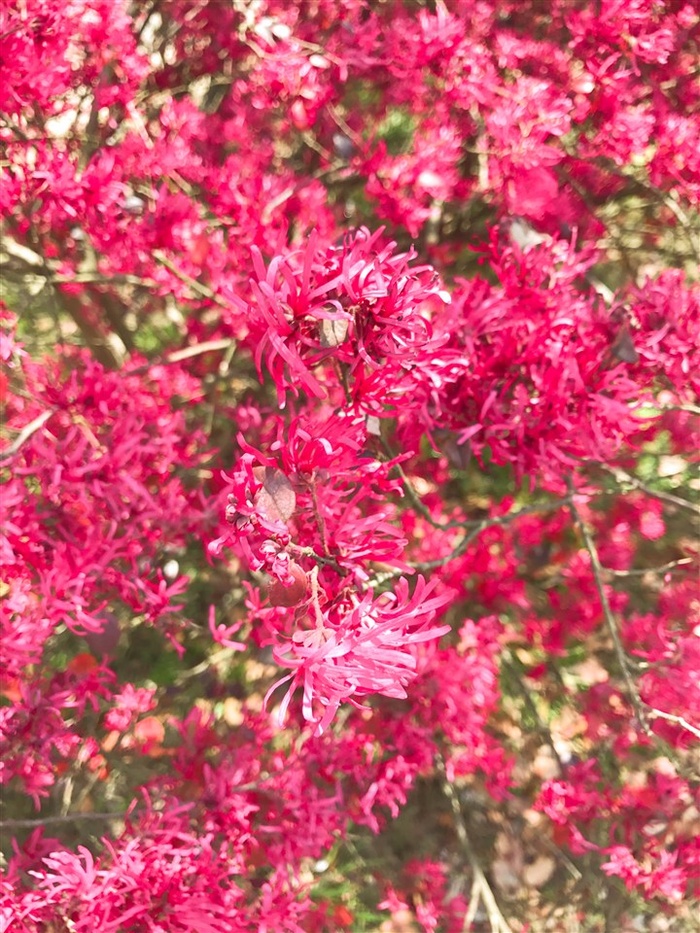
(358,650)
(360,303)
(129,704)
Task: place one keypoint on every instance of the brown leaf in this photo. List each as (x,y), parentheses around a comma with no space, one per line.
(333,333)
(623,347)
(277,499)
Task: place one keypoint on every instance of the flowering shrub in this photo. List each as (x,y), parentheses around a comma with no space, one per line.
(350,384)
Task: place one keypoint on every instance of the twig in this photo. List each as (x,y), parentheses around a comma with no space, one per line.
(63,818)
(610,620)
(542,727)
(417,502)
(221,375)
(570,866)
(622,476)
(654,713)
(659,195)
(476,527)
(498,922)
(474,901)
(188,352)
(319,558)
(339,120)
(177,356)
(108,348)
(13,823)
(458,550)
(690,409)
(482,155)
(119,278)
(422,509)
(224,654)
(642,571)
(202,290)
(552,506)
(27,431)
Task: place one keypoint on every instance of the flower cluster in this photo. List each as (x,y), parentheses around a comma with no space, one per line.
(350,392)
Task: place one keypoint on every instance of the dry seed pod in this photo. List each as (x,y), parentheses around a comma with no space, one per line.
(292,595)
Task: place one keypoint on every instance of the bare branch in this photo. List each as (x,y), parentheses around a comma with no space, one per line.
(498,922)
(62,818)
(622,477)
(654,713)
(542,727)
(187,353)
(13,823)
(690,409)
(119,278)
(610,619)
(27,431)
(107,347)
(202,290)
(642,571)
(476,527)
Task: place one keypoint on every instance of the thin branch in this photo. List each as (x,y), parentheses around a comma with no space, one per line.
(417,502)
(34,265)
(422,509)
(319,558)
(202,290)
(223,655)
(63,818)
(550,506)
(13,823)
(659,195)
(339,120)
(610,620)
(196,192)
(27,431)
(177,356)
(474,901)
(654,713)
(642,571)
(690,409)
(188,352)
(570,866)
(119,278)
(498,922)
(622,476)
(107,347)
(476,527)
(542,727)
(221,375)
(460,549)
